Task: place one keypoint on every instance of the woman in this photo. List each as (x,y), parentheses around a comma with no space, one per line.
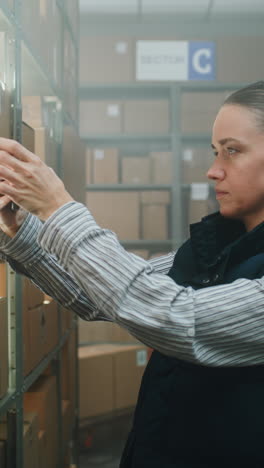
(200,403)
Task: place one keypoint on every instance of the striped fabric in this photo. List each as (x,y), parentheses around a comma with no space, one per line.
(86,269)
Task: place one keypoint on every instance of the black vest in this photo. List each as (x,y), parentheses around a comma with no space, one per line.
(190,413)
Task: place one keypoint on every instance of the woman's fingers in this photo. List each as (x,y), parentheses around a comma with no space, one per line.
(17,150)
(4,200)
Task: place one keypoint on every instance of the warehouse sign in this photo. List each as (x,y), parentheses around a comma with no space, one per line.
(175,60)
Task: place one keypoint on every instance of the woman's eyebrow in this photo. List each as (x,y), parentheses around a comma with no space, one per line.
(225,140)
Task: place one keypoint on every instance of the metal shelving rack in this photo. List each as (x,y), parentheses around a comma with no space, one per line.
(174,141)
(26,55)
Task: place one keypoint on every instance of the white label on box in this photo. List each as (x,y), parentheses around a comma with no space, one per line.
(113,110)
(187,155)
(98,154)
(142,358)
(199,191)
(121,48)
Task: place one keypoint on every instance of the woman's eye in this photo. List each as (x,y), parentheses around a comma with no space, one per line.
(231,150)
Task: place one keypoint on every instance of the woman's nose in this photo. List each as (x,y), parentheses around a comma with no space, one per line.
(215,172)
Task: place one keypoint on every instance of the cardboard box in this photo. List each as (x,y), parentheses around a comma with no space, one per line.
(105,59)
(103,332)
(66,319)
(140,253)
(195,163)
(33,111)
(116,211)
(88,166)
(34,338)
(155,222)
(42,449)
(67,427)
(129,365)
(105,164)
(100,117)
(94,332)
(96,381)
(73,161)
(32,295)
(38,141)
(156,197)
(3,462)
(51,326)
(136,170)
(198,111)
(3,273)
(117,368)
(42,399)
(5,112)
(3,347)
(246,67)
(161,167)
(120,335)
(146,116)
(68,372)
(31,440)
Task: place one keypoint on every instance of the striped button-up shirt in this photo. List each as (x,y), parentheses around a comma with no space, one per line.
(85,269)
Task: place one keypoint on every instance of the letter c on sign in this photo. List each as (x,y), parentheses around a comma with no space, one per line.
(197,65)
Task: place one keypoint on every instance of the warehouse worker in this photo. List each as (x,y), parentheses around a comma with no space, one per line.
(202,310)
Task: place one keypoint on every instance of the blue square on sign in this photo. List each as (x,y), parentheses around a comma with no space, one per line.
(201,60)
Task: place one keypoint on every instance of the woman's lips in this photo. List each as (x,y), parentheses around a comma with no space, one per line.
(220,194)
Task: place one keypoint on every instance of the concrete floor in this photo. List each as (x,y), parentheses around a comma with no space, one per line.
(102,443)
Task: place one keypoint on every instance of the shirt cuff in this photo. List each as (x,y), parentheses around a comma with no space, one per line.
(24,247)
(65,229)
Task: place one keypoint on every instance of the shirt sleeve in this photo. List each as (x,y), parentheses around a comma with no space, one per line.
(217,326)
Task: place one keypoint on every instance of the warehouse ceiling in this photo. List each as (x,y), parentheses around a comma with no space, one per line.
(202,9)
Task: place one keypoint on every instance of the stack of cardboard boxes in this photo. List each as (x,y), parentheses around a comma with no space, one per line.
(4,362)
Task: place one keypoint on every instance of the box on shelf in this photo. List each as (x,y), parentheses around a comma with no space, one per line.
(5,112)
(66,319)
(195,163)
(3,347)
(146,116)
(116,211)
(40,334)
(100,117)
(156,197)
(51,326)
(3,273)
(246,67)
(198,111)
(42,400)
(136,170)
(105,166)
(66,423)
(73,161)
(155,222)
(32,295)
(155,214)
(119,368)
(88,166)
(103,332)
(33,111)
(31,446)
(106,60)
(33,338)
(3,453)
(140,253)
(68,372)
(161,165)
(96,384)
(30,440)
